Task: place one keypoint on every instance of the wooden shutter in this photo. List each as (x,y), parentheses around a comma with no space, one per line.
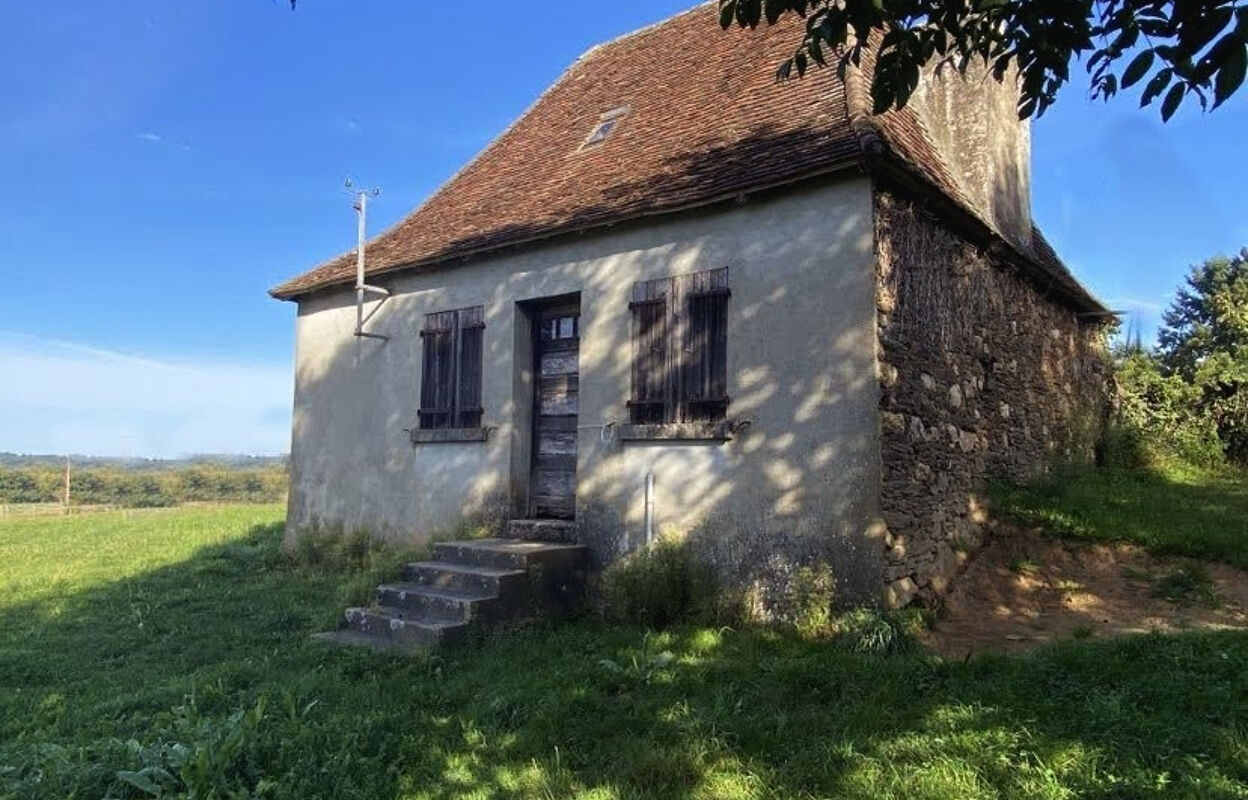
(651,397)
(705,372)
(680,348)
(450,386)
(438,370)
(468,392)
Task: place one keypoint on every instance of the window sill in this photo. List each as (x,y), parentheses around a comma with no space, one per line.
(678,432)
(449,435)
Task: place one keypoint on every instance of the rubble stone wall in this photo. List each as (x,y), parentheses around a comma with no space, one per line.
(982,376)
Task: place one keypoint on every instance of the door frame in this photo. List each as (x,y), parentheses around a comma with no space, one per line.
(540,310)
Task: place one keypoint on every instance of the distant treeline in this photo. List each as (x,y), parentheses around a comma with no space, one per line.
(133,488)
(210,461)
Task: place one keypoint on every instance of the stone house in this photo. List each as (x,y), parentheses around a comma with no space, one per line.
(676,295)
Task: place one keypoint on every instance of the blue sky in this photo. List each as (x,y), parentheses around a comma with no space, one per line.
(164,163)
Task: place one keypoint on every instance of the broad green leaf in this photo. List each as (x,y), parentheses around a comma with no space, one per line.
(140,781)
(1156,86)
(1137,69)
(749,12)
(1171,103)
(816,52)
(1231,75)
(773,9)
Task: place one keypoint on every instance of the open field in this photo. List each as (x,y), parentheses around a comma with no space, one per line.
(171,650)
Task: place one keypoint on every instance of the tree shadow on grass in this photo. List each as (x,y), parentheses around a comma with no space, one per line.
(1206,517)
(537,713)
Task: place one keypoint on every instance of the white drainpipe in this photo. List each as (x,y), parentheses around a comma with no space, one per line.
(649,508)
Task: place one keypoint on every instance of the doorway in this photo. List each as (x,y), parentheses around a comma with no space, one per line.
(556,409)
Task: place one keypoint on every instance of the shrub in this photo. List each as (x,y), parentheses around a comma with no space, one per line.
(358,559)
(335,548)
(873,632)
(1186,584)
(1123,447)
(18,486)
(1204,343)
(812,593)
(660,585)
(1160,418)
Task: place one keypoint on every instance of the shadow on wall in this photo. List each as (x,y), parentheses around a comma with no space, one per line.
(796,485)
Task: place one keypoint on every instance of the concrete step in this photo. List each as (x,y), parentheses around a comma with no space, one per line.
(512,554)
(464,577)
(395,628)
(483,583)
(431,602)
(541,530)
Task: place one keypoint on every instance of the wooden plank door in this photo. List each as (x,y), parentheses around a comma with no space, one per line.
(554,431)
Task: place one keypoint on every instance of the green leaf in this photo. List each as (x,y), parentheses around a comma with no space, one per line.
(1171,103)
(139,781)
(816,52)
(727,13)
(774,9)
(1109,86)
(1138,68)
(1156,86)
(664,660)
(1231,74)
(749,12)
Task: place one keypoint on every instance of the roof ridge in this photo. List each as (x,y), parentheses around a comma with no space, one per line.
(643,29)
(859,109)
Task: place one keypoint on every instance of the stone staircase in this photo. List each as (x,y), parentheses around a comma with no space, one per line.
(472,585)
(541,530)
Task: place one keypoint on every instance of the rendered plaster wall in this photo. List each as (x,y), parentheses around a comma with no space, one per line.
(982,376)
(973,121)
(798,483)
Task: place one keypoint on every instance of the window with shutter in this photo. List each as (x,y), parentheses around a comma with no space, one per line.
(680,349)
(706,360)
(450,386)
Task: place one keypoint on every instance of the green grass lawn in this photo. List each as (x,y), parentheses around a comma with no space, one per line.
(1172,511)
(172,649)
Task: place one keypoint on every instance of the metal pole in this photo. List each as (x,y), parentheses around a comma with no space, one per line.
(649,508)
(361,208)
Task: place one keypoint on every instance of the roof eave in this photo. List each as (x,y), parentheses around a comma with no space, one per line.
(280,292)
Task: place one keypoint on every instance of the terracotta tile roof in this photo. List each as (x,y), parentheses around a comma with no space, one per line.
(705,121)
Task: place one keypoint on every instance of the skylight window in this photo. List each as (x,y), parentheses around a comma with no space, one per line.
(606,123)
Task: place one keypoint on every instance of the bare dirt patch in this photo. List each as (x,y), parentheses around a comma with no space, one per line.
(1024,589)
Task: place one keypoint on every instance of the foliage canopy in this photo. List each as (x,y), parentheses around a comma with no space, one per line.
(1190,397)
(1174,48)
(1204,342)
